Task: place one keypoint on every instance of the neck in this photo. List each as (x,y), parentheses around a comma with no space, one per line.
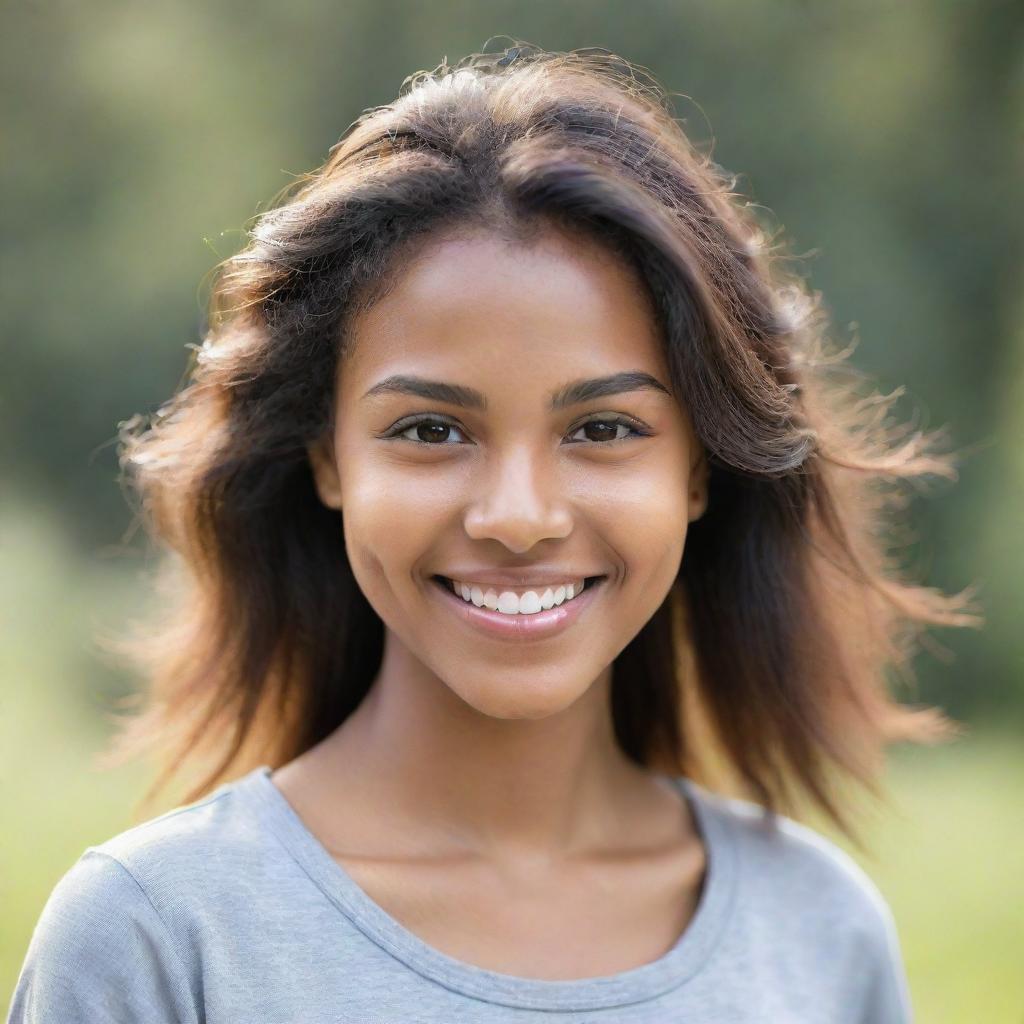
(550,788)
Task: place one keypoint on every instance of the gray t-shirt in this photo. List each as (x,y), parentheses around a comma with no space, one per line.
(229,909)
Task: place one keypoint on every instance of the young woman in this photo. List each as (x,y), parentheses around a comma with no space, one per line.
(513,498)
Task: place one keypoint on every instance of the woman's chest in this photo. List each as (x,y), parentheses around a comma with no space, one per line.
(587,920)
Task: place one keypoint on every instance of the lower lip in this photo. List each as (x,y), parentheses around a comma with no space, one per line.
(520,627)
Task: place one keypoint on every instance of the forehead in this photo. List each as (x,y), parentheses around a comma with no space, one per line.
(471,303)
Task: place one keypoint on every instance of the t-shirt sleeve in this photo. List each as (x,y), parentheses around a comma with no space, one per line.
(888,995)
(100,953)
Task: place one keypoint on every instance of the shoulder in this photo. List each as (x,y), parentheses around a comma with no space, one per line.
(110,933)
(133,868)
(807,908)
(98,946)
(791,869)
(185,844)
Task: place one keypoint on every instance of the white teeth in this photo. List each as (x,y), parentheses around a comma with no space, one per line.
(509,603)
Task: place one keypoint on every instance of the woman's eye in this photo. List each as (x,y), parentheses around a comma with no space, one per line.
(426,431)
(606,430)
(431,430)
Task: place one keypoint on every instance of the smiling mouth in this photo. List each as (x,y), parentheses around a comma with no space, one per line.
(494,604)
(522,626)
(448,584)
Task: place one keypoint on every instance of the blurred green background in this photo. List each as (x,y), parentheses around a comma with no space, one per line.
(886,137)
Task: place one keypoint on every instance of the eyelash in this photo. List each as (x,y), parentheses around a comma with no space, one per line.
(414,421)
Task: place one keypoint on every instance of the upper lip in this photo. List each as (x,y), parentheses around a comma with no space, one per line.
(519,578)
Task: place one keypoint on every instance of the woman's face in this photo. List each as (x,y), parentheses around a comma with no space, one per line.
(514,480)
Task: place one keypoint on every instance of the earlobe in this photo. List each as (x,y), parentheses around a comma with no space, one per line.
(698,497)
(325,472)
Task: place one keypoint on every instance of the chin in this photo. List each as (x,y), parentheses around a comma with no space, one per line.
(512,699)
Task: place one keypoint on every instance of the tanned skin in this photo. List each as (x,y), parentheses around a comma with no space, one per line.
(477,794)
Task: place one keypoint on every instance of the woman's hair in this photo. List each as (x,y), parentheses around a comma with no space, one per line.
(770,655)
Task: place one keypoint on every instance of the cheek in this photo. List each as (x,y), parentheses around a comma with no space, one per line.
(646,520)
(390,523)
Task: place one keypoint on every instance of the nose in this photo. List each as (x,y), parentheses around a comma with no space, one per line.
(518,500)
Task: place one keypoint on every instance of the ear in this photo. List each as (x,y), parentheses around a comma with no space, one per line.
(697,499)
(325,471)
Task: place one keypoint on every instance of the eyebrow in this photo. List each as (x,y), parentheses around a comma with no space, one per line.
(573,393)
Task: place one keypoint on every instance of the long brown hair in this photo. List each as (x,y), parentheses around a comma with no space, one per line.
(775,643)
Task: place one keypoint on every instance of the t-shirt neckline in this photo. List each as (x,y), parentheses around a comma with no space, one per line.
(687,956)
